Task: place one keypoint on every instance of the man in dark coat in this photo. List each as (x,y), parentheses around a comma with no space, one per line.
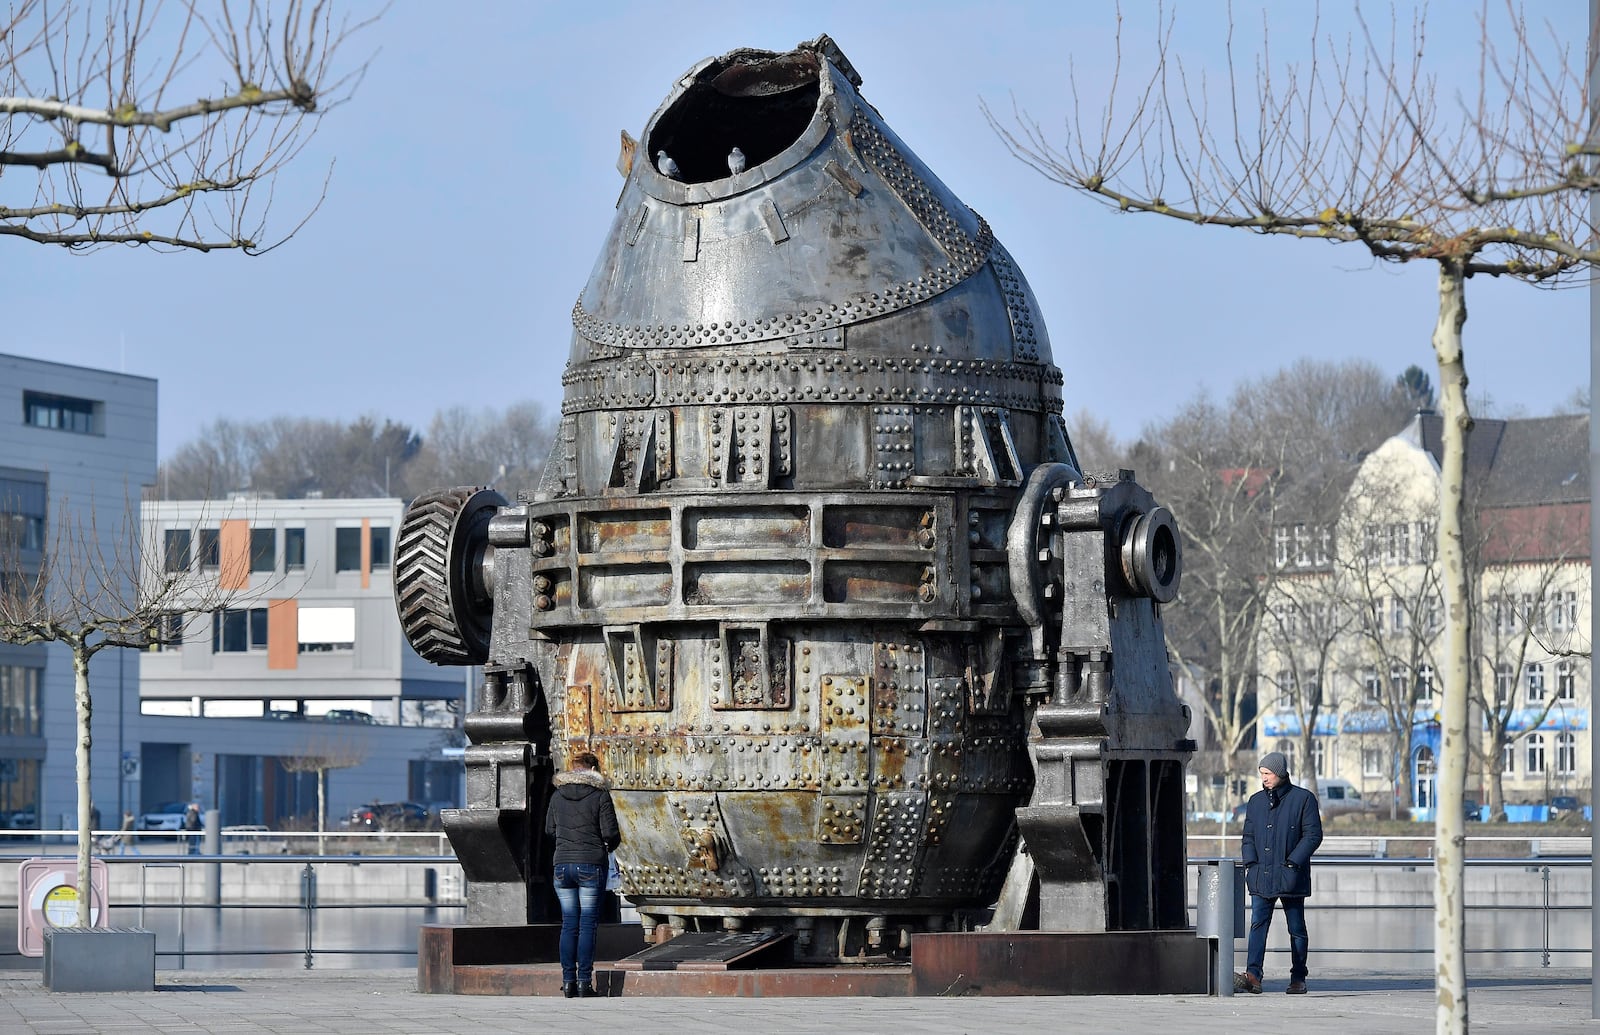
(1282,827)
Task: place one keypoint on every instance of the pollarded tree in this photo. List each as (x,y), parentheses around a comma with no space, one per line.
(321,755)
(1351,144)
(100,583)
(113,114)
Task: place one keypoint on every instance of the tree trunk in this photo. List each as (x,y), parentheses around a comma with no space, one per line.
(80,695)
(1497,787)
(1450,1014)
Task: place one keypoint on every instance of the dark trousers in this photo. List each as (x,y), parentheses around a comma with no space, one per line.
(578,888)
(1294,914)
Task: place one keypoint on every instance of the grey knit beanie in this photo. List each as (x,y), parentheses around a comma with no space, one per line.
(1275,762)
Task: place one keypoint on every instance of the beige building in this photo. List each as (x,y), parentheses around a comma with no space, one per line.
(1349,673)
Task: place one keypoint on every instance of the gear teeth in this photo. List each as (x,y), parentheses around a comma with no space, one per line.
(436,620)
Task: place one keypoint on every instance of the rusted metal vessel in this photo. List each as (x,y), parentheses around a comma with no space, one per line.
(812,568)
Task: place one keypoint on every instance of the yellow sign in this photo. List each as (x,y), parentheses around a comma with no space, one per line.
(61,906)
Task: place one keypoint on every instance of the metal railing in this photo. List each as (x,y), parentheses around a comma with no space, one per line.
(309,906)
(1546,907)
(444,904)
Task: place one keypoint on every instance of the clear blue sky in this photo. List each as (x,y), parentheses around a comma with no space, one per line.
(475,182)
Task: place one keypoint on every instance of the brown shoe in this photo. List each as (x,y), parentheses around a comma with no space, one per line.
(1296,988)
(1244,981)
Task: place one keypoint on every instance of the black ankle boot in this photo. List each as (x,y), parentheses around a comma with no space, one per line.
(587,992)
(569,988)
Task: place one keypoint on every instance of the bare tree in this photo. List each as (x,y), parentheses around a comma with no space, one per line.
(1388,578)
(1350,144)
(91,588)
(321,755)
(485,447)
(1530,572)
(1256,484)
(116,110)
(292,457)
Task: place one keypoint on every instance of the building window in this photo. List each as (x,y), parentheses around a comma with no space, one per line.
(62,412)
(1508,759)
(166,634)
(1435,617)
(1280,546)
(1427,541)
(1288,749)
(1425,682)
(1372,543)
(380,548)
(1285,689)
(1566,684)
(1533,675)
(347,549)
(294,549)
(20,706)
(1397,615)
(1372,761)
(263,549)
(209,547)
(1324,552)
(1371,685)
(1397,681)
(22,514)
(1535,754)
(1302,546)
(237,630)
(1566,754)
(1320,754)
(176,550)
(1397,544)
(327,629)
(1505,683)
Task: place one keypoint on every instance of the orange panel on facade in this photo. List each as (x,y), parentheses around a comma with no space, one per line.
(283,634)
(234,559)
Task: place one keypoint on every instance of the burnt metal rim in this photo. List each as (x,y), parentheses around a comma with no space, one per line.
(835,107)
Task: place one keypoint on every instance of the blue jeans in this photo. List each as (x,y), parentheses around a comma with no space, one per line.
(1294,914)
(578,887)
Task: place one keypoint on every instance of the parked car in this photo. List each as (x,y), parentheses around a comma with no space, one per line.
(22,819)
(1563,805)
(348,715)
(1471,809)
(388,815)
(1341,798)
(167,816)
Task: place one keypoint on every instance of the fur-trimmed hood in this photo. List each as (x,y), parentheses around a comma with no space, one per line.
(584,777)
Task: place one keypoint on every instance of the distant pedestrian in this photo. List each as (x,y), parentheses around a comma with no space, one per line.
(1282,827)
(192,826)
(583,821)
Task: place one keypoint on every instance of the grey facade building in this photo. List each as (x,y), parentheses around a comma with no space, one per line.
(78,449)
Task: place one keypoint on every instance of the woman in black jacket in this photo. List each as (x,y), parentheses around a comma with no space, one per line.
(584,824)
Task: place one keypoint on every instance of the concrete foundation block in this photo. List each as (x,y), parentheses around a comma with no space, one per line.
(99,959)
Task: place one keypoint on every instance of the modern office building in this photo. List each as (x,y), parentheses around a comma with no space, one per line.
(198,717)
(286,625)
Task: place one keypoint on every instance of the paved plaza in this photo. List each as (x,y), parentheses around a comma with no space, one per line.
(340,1001)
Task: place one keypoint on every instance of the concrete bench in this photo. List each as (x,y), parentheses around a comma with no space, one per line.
(99,959)
(1559,846)
(1364,847)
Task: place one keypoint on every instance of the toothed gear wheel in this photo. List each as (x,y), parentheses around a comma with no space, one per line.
(439,590)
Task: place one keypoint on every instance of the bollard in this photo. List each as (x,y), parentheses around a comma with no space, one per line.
(211,845)
(1219,917)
